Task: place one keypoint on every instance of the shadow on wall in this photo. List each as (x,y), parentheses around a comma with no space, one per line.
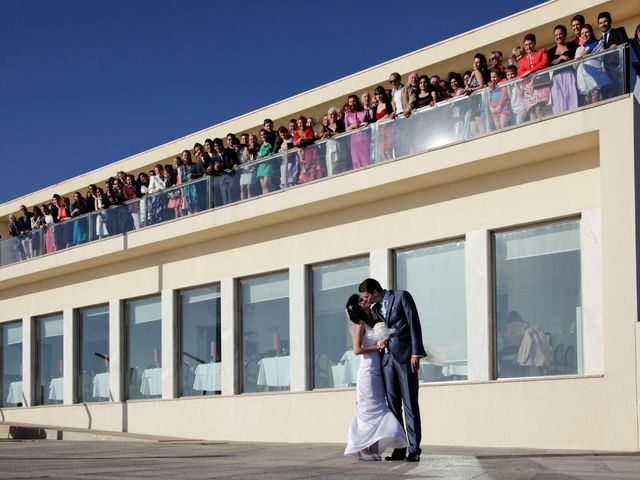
(89,418)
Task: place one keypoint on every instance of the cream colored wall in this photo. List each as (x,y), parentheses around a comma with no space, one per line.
(525,414)
(548,170)
(453,54)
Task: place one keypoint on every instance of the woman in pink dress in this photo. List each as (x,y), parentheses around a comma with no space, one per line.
(354,118)
(383,110)
(50,241)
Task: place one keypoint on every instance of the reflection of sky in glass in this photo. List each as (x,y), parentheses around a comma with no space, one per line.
(11,366)
(332,286)
(144,354)
(93,331)
(199,334)
(435,276)
(50,367)
(537,297)
(265,322)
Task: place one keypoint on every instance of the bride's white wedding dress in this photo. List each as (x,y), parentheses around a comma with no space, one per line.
(373,421)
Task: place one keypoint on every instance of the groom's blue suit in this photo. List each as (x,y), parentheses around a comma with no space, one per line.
(398,310)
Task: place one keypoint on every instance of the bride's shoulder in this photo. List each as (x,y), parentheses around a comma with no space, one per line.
(366,327)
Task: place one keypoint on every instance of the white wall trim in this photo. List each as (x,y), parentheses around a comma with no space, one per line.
(299,325)
(592,357)
(169,343)
(116,350)
(477,287)
(230,339)
(380,267)
(28,361)
(69,356)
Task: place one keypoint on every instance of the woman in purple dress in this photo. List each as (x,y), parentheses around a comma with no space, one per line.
(564,92)
(357,117)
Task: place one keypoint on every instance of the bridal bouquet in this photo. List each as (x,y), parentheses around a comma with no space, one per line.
(382,332)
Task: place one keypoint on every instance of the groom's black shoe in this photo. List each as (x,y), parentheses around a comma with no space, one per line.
(413,457)
(395,457)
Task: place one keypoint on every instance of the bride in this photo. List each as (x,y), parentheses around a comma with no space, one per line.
(373,428)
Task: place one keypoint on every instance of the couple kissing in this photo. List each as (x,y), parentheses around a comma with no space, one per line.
(387,334)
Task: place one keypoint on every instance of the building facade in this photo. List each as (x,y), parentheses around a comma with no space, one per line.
(518,244)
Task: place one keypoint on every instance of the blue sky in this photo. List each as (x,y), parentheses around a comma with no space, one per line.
(85,83)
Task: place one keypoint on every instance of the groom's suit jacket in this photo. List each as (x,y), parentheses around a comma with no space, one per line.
(402,316)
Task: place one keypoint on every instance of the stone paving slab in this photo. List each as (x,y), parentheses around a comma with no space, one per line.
(241,461)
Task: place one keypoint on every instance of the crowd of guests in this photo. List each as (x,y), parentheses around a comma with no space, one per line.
(241,169)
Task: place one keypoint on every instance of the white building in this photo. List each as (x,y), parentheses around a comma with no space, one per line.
(228,323)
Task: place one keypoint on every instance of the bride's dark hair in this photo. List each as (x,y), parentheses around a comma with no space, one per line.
(355,312)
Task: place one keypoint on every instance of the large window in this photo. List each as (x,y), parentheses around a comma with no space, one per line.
(143,374)
(335,365)
(537,301)
(93,354)
(264,311)
(49,372)
(200,365)
(11,364)
(435,277)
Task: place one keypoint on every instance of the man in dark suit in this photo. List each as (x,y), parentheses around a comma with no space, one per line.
(400,360)
(225,164)
(611,38)
(203,161)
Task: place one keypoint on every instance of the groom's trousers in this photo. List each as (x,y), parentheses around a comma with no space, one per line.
(401,387)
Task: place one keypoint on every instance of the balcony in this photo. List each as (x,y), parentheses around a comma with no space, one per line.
(461,119)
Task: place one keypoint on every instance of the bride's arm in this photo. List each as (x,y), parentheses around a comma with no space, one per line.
(358,335)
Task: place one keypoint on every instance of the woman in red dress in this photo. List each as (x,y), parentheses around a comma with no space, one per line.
(535,96)
(309,165)
(383,110)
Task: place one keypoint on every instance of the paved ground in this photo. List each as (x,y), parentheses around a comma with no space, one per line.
(191,460)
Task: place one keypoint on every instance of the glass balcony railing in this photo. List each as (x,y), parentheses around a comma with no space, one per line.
(553,91)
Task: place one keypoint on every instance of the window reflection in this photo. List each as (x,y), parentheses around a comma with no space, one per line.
(435,276)
(335,364)
(11,364)
(49,384)
(265,333)
(200,367)
(537,301)
(144,355)
(93,354)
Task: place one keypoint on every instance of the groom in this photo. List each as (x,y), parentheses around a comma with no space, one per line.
(401,359)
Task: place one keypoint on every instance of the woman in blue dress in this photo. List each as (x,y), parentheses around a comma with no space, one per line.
(591,75)
(189,172)
(80,225)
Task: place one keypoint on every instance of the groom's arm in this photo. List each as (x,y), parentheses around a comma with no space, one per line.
(415,329)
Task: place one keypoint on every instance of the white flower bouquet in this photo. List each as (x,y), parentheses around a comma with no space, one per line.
(382,332)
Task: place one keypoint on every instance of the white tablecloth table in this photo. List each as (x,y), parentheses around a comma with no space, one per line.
(452,368)
(207,377)
(151,382)
(457,368)
(345,374)
(15,392)
(56,389)
(101,385)
(273,372)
